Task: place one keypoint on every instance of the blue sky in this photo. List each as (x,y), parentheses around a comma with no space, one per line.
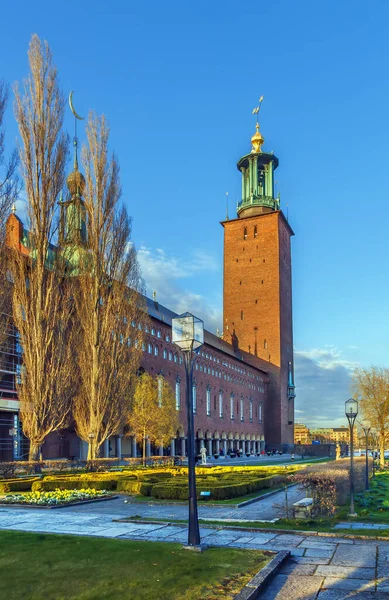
(177,82)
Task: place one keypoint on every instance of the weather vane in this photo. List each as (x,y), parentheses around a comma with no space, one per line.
(257,108)
(76,116)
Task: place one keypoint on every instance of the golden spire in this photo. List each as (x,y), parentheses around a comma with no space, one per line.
(257,140)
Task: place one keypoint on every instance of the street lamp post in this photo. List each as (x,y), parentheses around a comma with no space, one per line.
(373,434)
(351,411)
(188,335)
(366,429)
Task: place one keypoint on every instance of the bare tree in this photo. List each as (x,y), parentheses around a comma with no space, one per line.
(41,306)
(9,190)
(110,308)
(153,413)
(9,180)
(371,385)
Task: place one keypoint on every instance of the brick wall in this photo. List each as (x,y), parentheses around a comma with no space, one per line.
(257,306)
(237,377)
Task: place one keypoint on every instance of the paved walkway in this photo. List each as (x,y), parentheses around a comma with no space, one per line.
(359,525)
(258,511)
(323,568)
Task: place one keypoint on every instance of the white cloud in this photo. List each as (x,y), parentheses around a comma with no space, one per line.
(323,383)
(169,275)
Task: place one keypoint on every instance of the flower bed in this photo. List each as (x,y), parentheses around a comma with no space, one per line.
(55,497)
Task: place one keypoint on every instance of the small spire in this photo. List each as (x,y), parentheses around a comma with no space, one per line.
(75,165)
(257,139)
(227,217)
(13,209)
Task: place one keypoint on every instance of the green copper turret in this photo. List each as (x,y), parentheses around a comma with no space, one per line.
(257,168)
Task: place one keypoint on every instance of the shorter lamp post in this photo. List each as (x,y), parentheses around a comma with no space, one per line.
(351,412)
(366,430)
(188,335)
(373,435)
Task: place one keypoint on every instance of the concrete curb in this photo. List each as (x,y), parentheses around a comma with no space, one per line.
(52,506)
(258,582)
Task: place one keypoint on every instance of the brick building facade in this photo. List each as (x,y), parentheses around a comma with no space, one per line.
(243,381)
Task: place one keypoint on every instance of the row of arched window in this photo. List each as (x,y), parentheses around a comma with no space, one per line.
(245,233)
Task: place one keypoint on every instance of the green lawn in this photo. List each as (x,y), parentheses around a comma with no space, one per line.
(58,567)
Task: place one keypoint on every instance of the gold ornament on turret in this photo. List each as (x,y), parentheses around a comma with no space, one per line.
(257,140)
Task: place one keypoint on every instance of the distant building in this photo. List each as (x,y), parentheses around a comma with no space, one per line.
(301,434)
(328,435)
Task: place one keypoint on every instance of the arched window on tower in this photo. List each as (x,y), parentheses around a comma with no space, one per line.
(241,315)
(255,231)
(245,233)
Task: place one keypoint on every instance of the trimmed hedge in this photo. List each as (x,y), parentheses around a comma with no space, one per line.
(46,485)
(219,491)
(135,487)
(17,485)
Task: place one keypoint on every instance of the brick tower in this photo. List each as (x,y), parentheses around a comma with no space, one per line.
(257,298)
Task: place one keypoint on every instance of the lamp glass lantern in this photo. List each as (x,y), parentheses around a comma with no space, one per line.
(187,332)
(351,408)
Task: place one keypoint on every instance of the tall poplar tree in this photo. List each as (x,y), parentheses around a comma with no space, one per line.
(41,306)
(9,190)
(109,305)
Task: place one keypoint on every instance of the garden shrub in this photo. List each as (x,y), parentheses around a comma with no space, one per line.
(220,490)
(338,474)
(134,487)
(321,487)
(49,485)
(17,485)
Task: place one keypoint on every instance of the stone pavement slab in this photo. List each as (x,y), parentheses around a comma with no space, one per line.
(357,555)
(324,552)
(292,587)
(309,543)
(311,560)
(340,583)
(359,525)
(293,568)
(347,572)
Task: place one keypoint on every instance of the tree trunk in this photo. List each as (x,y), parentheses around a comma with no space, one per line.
(382,449)
(144,449)
(93,450)
(33,453)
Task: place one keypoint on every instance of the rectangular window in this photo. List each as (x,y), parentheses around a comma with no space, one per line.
(160,391)
(260,412)
(221,405)
(208,402)
(232,408)
(241,410)
(251,410)
(19,374)
(178,395)
(194,392)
